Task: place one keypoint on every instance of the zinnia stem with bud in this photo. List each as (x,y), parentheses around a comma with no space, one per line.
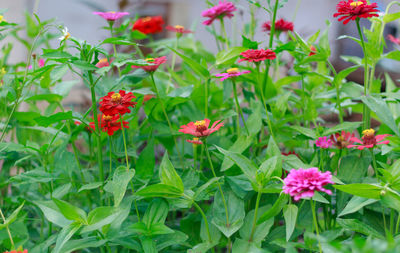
(8,229)
(225,34)
(205,222)
(253,229)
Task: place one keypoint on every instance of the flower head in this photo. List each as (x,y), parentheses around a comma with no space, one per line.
(281,25)
(232,73)
(117,103)
(149,25)
(223,9)
(111,15)
(178,29)
(201,128)
(394,39)
(323,142)
(155,63)
(109,123)
(313,50)
(103,63)
(65,35)
(369,140)
(342,140)
(195,141)
(257,55)
(303,183)
(88,128)
(19,250)
(147,97)
(353,9)
(41,63)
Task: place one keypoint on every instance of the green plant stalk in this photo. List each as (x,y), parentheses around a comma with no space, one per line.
(366,111)
(225,34)
(218,184)
(166,117)
(206,99)
(216,37)
(173,62)
(8,230)
(373,161)
(138,50)
(253,229)
(391,220)
(238,108)
(195,156)
(110,153)
(315,223)
(114,47)
(252,21)
(205,221)
(397,223)
(337,87)
(384,220)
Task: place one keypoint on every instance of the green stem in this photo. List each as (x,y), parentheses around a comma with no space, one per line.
(315,224)
(205,221)
(114,47)
(110,172)
(216,37)
(253,229)
(218,184)
(366,111)
(139,51)
(8,230)
(195,156)
(397,223)
(371,150)
(272,32)
(238,108)
(173,62)
(124,139)
(337,87)
(225,34)
(206,99)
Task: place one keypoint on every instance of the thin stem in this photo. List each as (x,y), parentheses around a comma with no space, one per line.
(114,47)
(384,220)
(8,229)
(225,34)
(315,223)
(195,156)
(123,137)
(238,108)
(173,62)
(397,223)
(206,99)
(373,161)
(138,50)
(218,184)
(216,37)
(272,32)
(337,87)
(110,141)
(253,229)
(205,221)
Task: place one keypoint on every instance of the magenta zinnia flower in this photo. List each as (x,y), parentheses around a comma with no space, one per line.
(231,73)
(111,15)
(351,10)
(302,183)
(342,140)
(223,9)
(394,39)
(201,128)
(323,142)
(281,25)
(369,140)
(155,63)
(257,55)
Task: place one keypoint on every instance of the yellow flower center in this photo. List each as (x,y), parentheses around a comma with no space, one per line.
(104,60)
(368,133)
(195,139)
(107,117)
(67,35)
(2,19)
(112,12)
(146,19)
(116,97)
(232,70)
(2,72)
(356,4)
(150,60)
(200,123)
(179,27)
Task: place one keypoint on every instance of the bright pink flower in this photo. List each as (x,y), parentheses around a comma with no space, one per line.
(178,29)
(195,141)
(231,73)
(393,39)
(201,128)
(369,140)
(281,25)
(257,55)
(17,251)
(111,15)
(323,142)
(223,9)
(342,140)
(353,9)
(302,183)
(103,63)
(155,63)
(41,63)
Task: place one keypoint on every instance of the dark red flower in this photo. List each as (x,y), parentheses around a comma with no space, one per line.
(351,10)
(178,29)
(257,55)
(281,25)
(117,103)
(342,140)
(290,153)
(393,39)
(201,128)
(149,25)
(109,124)
(155,63)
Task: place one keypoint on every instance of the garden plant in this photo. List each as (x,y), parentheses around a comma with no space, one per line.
(185,150)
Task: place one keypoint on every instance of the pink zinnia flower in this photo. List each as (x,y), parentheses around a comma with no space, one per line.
(393,39)
(195,141)
(111,15)
(342,140)
(369,140)
(323,142)
(351,10)
(201,128)
(41,63)
(156,62)
(103,63)
(302,183)
(257,55)
(179,29)
(231,73)
(223,9)
(281,25)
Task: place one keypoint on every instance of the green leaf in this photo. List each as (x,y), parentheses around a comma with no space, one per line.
(52,213)
(391,199)
(10,219)
(228,56)
(242,246)
(82,65)
(271,167)
(347,126)
(51,98)
(352,168)
(156,212)
(275,209)
(358,226)
(86,243)
(65,234)
(240,145)
(210,184)
(290,215)
(261,230)
(249,44)
(393,55)
(168,174)
(100,217)
(355,204)
(71,212)
(196,67)
(55,54)
(255,118)
(55,118)
(305,131)
(90,186)
(337,81)
(362,190)
(119,183)
(159,190)
(380,108)
(389,17)
(118,41)
(146,162)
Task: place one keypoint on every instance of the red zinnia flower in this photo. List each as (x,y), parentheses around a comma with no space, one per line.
(393,39)
(369,140)
(178,29)
(156,62)
(342,140)
(19,250)
(149,25)
(313,51)
(281,25)
(109,123)
(290,153)
(223,9)
(201,128)
(117,103)
(351,10)
(195,141)
(257,55)
(103,63)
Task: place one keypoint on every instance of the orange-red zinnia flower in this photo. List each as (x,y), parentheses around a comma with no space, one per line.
(109,124)
(178,29)
(257,55)
(201,128)
(353,9)
(155,63)
(117,103)
(281,25)
(149,25)
(103,63)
